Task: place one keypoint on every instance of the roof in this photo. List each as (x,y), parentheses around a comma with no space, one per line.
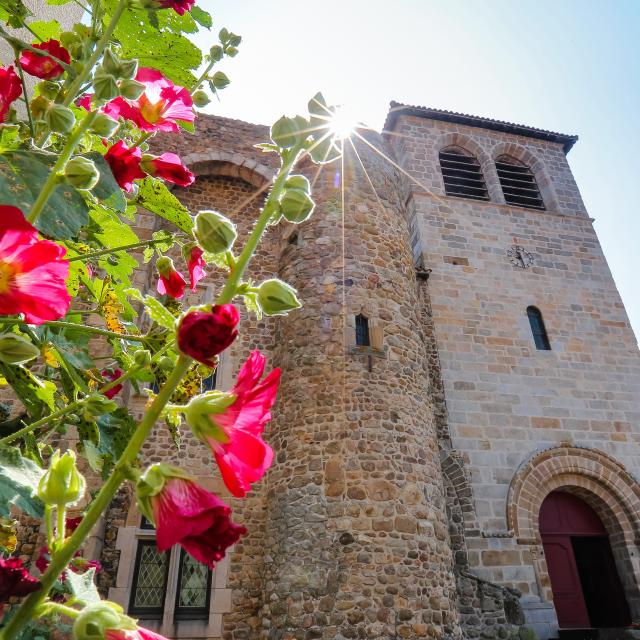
(397,109)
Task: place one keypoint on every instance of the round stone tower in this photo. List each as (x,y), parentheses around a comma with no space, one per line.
(356,539)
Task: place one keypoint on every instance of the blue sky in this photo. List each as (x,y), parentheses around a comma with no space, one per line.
(569,66)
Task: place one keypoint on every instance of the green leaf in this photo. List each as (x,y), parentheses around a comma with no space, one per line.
(161,247)
(14,12)
(154,196)
(46,30)
(19,478)
(202,17)
(9,139)
(35,394)
(107,190)
(156,310)
(115,431)
(83,587)
(22,176)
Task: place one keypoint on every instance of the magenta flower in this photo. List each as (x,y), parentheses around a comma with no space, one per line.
(111,375)
(125,164)
(15,580)
(10,90)
(45,67)
(136,634)
(160,107)
(196,265)
(32,272)
(186,514)
(232,424)
(169,167)
(204,334)
(170,281)
(179,6)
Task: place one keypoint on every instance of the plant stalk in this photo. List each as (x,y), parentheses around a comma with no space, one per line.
(124,247)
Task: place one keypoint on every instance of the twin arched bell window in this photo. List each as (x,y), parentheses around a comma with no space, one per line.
(462,176)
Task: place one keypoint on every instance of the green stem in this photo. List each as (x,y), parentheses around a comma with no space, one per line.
(229,291)
(55,607)
(48,520)
(143,138)
(54,177)
(203,76)
(24,93)
(61,513)
(95,56)
(82,327)
(16,43)
(124,247)
(63,556)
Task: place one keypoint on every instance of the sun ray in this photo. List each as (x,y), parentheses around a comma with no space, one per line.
(366,173)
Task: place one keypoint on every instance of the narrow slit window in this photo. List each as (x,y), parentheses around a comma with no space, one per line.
(209,383)
(194,589)
(362,331)
(518,184)
(462,175)
(149,581)
(539,331)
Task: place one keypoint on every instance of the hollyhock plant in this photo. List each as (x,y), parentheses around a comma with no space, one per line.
(106,621)
(15,580)
(186,514)
(125,164)
(10,90)
(169,167)
(160,107)
(196,265)
(45,67)
(32,271)
(179,6)
(204,334)
(111,376)
(232,424)
(170,281)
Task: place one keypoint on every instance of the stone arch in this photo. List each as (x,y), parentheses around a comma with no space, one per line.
(232,165)
(455,139)
(535,164)
(598,479)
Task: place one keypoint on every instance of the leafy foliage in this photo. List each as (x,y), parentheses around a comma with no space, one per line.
(18,479)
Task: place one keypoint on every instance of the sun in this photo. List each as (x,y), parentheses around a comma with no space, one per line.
(343,122)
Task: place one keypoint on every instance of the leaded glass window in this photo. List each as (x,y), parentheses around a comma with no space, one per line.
(149,580)
(194,588)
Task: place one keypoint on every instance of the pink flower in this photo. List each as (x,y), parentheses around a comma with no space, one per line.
(179,6)
(170,281)
(196,265)
(169,167)
(32,272)
(125,164)
(10,89)
(45,67)
(233,429)
(84,101)
(15,580)
(159,108)
(203,335)
(112,375)
(186,514)
(138,634)
(71,524)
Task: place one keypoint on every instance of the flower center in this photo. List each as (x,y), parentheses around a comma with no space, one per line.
(151,111)
(6,275)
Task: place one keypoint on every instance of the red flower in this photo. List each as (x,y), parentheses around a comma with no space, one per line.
(170,281)
(169,167)
(161,106)
(196,265)
(71,524)
(45,67)
(179,6)
(204,334)
(78,564)
(15,580)
(32,272)
(10,89)
(186,514)
(138,634)
(125,164)
(84,101)
(111,375)
(233,429)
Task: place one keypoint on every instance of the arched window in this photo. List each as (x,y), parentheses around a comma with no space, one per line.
(462,175)
(518,183)
(538,329)
(362,331)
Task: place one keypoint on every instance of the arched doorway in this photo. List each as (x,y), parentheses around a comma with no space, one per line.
(587,592)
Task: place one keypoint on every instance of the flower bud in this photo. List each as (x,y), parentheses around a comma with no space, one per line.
(296,205)
(110,62)
(284,132)
(59,118)
(48,89)
(277,298)
(142,357)
(97,405)
(201,98)
(128,69)
(81,173)
(62,484)
(166,364)
(95,620)
(131,89)
(324,151)
(39,107)
(214,232)
(105,86)
(104,126)
(197,413)
(298,182)
(15,349)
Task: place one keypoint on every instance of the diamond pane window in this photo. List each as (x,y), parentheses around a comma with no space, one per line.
(194,589)
(149,580)
(462,175)
(518,184)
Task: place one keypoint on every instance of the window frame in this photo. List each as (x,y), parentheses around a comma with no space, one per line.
(362,329)
(540,334)
(191,613)
(147,613)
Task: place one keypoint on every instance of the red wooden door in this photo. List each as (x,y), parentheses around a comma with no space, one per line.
(563,515)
